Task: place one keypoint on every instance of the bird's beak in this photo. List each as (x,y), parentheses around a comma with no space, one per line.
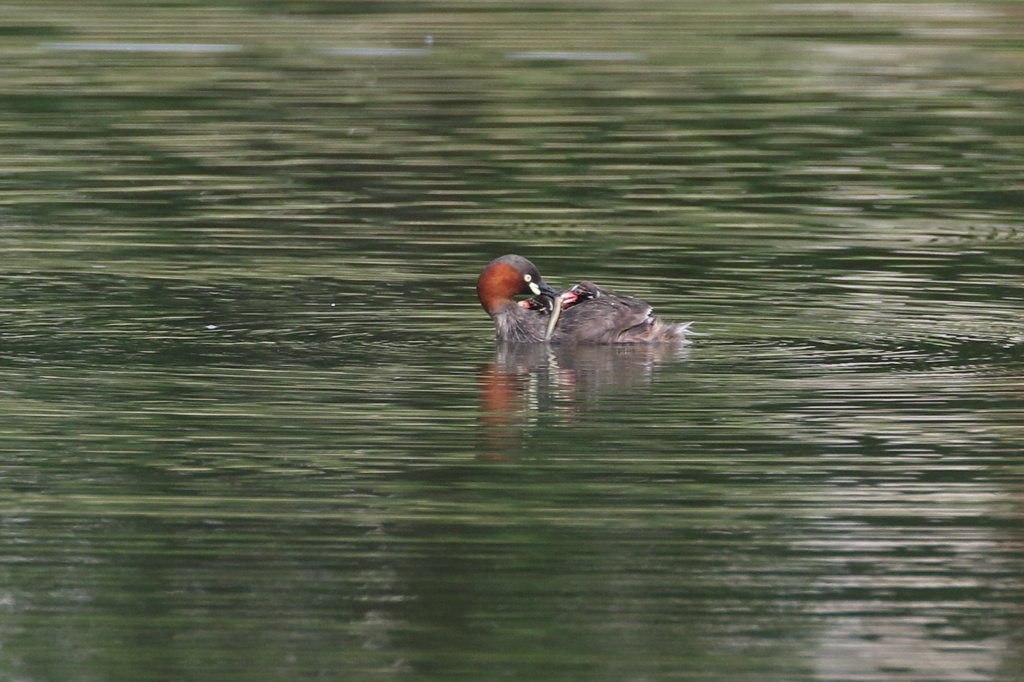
(541,288)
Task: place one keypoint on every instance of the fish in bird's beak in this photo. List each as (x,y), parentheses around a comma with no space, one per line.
(556,311)
(544,297)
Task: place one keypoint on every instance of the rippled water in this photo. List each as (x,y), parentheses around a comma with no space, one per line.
(256,426)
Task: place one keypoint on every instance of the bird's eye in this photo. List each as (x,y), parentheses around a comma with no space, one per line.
(528,278)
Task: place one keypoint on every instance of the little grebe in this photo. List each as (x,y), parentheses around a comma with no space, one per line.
(584,314)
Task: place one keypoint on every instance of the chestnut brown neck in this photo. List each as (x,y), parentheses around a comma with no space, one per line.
(496,287)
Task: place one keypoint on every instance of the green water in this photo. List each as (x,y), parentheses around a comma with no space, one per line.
(255,426)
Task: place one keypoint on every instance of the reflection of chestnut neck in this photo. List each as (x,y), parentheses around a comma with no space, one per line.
(530,384)
(503,412)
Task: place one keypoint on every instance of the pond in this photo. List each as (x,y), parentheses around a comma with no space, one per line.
(257,425)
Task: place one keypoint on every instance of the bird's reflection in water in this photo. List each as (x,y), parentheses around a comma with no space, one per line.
(530,385)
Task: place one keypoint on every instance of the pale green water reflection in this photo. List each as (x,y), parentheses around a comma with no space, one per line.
(255,426)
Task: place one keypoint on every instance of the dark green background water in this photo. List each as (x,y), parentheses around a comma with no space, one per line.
(254,425)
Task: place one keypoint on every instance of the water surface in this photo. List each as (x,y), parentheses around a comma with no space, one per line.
(256,425)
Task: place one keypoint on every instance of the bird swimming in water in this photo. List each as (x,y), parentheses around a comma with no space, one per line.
(583,314)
